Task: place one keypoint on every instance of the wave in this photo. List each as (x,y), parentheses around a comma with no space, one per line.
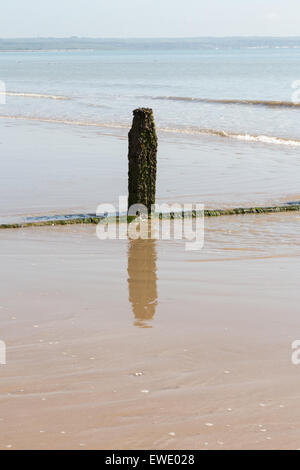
(70,122)
(266,103)
(40,51)
(34,95)
(264,139)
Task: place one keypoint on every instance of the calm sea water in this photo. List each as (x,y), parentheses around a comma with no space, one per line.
(223,97)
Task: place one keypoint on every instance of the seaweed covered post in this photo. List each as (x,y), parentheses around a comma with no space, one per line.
(142,159)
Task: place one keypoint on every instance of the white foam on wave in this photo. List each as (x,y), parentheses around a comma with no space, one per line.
(264,139)
(34,95)
(69,122)
(246,137)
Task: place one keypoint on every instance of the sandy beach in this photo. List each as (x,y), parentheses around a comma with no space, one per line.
(123,344)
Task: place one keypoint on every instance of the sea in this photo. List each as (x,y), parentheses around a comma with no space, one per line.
(226,110)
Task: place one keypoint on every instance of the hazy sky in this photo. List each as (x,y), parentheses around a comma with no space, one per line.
(149,18)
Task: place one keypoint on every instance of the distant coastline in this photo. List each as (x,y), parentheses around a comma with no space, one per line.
(102,44)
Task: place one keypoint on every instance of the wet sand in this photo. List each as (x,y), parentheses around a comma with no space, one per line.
(140,344)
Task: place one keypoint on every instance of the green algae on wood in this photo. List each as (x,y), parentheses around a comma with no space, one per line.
(142,159)
(51,223)
(123,219)
(251,210)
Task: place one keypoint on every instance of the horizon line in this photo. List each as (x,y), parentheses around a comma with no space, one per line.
(245,36)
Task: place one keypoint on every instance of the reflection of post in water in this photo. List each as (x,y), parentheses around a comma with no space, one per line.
(142,280)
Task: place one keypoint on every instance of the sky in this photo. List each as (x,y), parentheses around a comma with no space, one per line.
(149,18)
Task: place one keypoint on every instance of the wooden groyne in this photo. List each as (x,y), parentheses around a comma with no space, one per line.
(142,159)
(94,219)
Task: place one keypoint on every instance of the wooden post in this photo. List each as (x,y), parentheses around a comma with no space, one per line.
(142,159)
